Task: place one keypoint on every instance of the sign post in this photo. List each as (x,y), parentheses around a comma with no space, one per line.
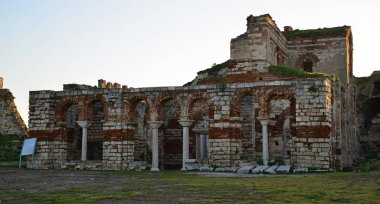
(28,148)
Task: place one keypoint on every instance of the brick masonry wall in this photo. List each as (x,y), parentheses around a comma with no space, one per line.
(317,120)
(310,109)
(333,61)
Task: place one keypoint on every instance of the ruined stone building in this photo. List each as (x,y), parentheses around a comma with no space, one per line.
(268,102)
(11,122)
(369,113)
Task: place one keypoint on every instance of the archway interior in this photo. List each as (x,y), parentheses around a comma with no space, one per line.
(279,128)
(73,133)
(142,144)
(171,139)
(247,116)
(95,131)
(200,114)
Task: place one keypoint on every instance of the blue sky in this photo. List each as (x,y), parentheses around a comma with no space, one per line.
(142,43)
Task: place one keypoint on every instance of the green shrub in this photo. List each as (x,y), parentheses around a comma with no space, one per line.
(213,71)
(9,148)
(315,32)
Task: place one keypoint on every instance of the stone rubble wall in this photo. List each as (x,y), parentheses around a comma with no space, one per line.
(117,154)
(320,114)
(311,152)
(333,61)
(49,154)
(312,119)
(224,152)
(11,122)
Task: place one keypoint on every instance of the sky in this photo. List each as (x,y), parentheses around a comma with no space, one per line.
(145,43)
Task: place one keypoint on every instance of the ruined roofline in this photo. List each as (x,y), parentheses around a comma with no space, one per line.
(291,34)
(9,98)
(319,32)
(265,18)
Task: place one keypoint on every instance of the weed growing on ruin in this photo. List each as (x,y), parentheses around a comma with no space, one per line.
(293,72)
(315,32)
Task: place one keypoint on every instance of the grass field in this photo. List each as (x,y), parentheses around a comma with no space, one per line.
(189,187)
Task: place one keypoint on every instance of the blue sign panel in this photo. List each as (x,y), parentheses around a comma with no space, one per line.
(29,146)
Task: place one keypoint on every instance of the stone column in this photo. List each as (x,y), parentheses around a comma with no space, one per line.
(198,144)
(84,125)
(154,125)
(203,146)
(185,147)
(264,123)
(202,143)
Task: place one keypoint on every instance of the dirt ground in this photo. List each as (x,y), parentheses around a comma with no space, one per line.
(45,181)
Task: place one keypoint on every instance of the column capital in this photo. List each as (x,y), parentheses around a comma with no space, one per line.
(155,124)
(263,120)
(84,123)
(203,131)
(186,123)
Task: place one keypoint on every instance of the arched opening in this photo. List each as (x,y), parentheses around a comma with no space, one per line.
(279,57)
(73,133)
(171,141)
(281,117)
(307,62)
(95,131)
(199,144)
(307,65)
(142,149)
(247,117)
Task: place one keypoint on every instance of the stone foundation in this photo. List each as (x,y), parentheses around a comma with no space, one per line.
(311,152)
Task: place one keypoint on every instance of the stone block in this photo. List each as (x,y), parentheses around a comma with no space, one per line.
(206,169)
(259,169)
(227,169)
(271,169)
(283,169)
(301,170)
(245,170)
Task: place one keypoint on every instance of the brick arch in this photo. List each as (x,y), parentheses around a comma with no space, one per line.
(278,94)
(89,101)
(307,56)
(131,103)
(61,108)
(161,99)
(239,95)
(196,96)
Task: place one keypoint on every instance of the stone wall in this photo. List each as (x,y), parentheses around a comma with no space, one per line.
(11,122)
(117,154)
(314,48)
(368,96)
(311,120)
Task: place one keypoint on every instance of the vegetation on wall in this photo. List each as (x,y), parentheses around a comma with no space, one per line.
(315,32)
(9,148)
(293,72)
(361,84)
(213,71)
